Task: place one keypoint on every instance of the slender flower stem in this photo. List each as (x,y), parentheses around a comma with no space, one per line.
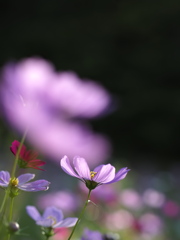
(17,155)
(4,201)
(81,214)
(2,210)
(10,215)
(11,209)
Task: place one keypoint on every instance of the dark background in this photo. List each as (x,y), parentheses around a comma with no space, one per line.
(131,47)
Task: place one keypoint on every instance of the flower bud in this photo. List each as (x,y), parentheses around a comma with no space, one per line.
(13,227)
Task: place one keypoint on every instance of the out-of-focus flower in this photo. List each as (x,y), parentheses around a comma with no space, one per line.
(76,97)
(95,235)
(105,194)
(52,217)
(153,198)
(22,182)
(35,96)
(56,138)
(171,208)
(119,220)
(103,174)
(61,233)
(131,199)
(151,224)
(27,158)
(67,201)
(89,235)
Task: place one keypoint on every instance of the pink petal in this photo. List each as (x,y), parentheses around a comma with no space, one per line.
(14,148)
(104,174)
(82,167)
(121,174)
(66,167)
(24,178)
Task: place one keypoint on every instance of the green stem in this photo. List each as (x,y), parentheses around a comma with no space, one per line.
(81,214)
(2,210)
(10,215)
(17,155)
(4,201)
(11,209)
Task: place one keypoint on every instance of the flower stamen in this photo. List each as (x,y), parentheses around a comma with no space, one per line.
(53,219)
(92,174)
(14,182)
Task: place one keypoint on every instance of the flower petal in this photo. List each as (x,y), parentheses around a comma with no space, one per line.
(67,222)
(53,212)
(105,173)
(121,174)
(35,164)
(14,148)
(24,178)
(39,185)
(82,167)
(45,222)
(66,167)
(33,213)
(4,178)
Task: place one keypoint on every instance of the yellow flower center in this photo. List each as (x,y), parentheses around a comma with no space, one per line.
(53,218)
(14,182)
(92,174)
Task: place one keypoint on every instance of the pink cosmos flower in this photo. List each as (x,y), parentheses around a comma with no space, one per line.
(103,174)
(151,223)
(35,96)
(78,97)
(27,158)
(105,194)
(130,198)
(171,208)
(65,200)
(119,220)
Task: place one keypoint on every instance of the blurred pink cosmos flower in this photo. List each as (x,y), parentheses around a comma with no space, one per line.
(131,199)
(119,220)
(35,96)
(27,158)
(65,200)
(171,208)
(153,198)
(106,194)
(151,224)
(103,174)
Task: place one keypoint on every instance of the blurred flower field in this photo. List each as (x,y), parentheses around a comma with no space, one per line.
(50,111)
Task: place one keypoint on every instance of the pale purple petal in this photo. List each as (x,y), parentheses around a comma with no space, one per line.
(39,185)
(82,168)
(45,222)
(105,173)
(67,222)
(121,174)
(4,178)
(33,213)
(24,178)
(89,235)
(53,212)
(66,167)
